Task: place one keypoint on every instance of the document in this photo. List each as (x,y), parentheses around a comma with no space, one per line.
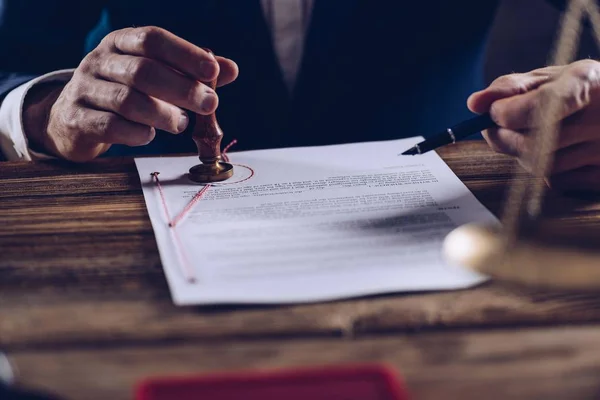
(309,224)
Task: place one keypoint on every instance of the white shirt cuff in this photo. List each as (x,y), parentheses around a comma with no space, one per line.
(13,142)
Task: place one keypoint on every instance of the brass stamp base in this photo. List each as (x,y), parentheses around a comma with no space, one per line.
(208,173)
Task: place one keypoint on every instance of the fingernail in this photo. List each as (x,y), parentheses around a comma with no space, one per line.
(209,52)
(183,122)
(209,69)
(151,135)
(209,101)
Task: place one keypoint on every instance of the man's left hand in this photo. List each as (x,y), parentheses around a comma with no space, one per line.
(512,101)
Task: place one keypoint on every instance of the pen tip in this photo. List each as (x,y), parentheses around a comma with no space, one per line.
(410,152)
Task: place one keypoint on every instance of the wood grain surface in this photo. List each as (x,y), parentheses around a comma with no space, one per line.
(82,295)
(561,363)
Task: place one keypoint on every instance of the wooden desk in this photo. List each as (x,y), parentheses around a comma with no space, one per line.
(85,310)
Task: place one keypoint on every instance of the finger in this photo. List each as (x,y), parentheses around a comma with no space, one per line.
(159,44)
(509,85)
(585,179)
(159,81)
(580,127)
(576,156)
(506,141)
(135,106)
(572,91)
(105,127)
(229,71)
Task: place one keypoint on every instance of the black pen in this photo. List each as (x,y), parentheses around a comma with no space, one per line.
(453,134)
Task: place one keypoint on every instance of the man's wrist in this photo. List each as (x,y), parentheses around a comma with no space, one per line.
(36,111)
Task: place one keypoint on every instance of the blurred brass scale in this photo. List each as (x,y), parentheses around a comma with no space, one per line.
(520,250)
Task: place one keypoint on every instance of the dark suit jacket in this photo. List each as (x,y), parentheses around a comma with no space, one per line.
(372,69)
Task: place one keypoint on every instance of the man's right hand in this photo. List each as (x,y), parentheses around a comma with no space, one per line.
(137,80)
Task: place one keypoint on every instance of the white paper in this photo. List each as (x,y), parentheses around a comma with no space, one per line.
(311,224)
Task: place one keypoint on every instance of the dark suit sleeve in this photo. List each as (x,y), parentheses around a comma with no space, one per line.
(40,36)
(560,4)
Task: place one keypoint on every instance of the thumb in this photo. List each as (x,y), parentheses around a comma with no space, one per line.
(508,86)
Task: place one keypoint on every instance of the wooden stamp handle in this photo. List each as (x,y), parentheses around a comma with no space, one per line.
(207,135)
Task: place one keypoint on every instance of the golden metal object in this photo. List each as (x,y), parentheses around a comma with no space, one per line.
(211,171)
(528,262)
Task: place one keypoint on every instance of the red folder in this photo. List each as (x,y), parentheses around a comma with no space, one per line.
(358,382)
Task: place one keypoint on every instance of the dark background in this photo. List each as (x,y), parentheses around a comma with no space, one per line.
(523,35)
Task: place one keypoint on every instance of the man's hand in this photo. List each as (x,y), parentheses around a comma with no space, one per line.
(511,101)
(137,80)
